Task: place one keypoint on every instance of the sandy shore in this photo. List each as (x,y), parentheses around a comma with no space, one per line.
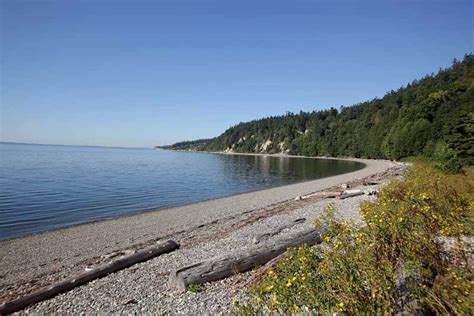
(34,261)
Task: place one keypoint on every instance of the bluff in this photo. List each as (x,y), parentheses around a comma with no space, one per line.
(415,120)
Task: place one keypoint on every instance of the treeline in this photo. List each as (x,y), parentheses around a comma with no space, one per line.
(188,145)
(436,111)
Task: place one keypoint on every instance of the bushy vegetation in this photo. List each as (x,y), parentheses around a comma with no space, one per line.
(408,122)
(358,269)
(446,159)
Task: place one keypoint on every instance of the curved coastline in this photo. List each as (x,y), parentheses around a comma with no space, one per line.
(129,202)
(146,211)
(207,210)
(39,254)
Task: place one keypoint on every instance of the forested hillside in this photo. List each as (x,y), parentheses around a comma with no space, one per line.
(430,113)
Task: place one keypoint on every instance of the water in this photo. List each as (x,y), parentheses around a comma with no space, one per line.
(47,187)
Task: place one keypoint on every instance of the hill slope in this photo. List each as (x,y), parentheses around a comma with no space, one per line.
(408,122)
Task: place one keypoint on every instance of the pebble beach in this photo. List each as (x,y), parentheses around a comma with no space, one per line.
(204,230)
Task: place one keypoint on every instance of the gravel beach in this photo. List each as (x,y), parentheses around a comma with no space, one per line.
(204,230)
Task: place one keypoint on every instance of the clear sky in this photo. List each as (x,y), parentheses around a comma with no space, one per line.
(141,73)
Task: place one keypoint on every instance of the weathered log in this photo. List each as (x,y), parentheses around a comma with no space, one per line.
(239,261)
(83,278)
(352,193)
(324,195)
(371,182)
(278,230)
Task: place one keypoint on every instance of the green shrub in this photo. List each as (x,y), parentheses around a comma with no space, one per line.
(446,159)
(355,269)
(195,288)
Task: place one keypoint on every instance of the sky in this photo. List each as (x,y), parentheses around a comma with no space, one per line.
(143,73)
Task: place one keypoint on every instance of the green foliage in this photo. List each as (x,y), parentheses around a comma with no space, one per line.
(446,159)
(406,122)
(195,288)
(188,145)
(356,269)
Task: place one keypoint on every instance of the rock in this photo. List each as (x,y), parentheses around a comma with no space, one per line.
(371,192)
(131,301)
(450,247)
(344,186)
(404,277)
(298,198)
(265,145)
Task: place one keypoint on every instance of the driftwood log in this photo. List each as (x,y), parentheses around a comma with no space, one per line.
(370,182)
(351,193)
(323,195)
(95,273)
(239,261)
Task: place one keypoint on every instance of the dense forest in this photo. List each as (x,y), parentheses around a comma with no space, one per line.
(435,111)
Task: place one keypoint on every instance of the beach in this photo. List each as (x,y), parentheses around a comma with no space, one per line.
(204,230)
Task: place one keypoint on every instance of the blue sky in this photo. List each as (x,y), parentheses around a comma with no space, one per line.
(140,73)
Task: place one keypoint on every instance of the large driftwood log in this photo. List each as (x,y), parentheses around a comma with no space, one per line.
(350,193)
(239,261)
(95,273)
(323,195)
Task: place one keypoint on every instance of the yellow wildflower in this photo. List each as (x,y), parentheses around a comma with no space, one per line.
(269,288)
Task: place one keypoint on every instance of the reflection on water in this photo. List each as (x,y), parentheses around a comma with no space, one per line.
(46,187)
(280,168)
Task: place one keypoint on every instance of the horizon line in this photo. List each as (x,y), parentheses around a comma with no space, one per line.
(72,145)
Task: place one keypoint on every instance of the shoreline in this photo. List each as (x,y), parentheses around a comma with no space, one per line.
(49,256)
(139,212)
(282,155)
(157,209)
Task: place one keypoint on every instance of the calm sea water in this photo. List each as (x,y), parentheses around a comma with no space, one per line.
(47,187)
